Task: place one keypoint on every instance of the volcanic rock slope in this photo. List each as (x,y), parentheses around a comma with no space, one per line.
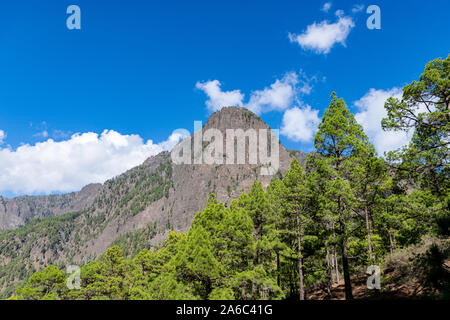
(135,210)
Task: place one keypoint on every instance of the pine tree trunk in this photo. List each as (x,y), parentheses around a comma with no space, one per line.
(336,266)
(369,236)
(329,266)
(391,243)
(335,260)
(300,258)
(345,267)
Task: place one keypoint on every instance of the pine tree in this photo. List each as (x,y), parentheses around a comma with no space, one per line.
(294,215)
(425,109)
(339,140)
(49,284)
(369,175)
(258,208)
(275,192)
(195,263)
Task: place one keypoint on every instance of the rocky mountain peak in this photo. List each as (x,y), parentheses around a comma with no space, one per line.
(235,118)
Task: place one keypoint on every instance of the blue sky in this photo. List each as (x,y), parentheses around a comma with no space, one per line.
(142,69)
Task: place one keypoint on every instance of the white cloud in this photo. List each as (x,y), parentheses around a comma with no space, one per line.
(321,37)
(43,134)
(300,125)
(357,8)
(61,134)
(2,136)
(370,113)
(339,13)
(176,136)
(326,6)
(279,96)
(69,165)
(217,97)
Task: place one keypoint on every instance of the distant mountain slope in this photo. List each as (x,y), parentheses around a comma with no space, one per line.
(18,211)
(136,209)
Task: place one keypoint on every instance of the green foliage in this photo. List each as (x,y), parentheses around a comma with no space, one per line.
(430,266)
(49,284)
(16,245)
(425,109)
(348,208)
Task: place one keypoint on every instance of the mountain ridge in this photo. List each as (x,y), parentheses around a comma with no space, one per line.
(15,212)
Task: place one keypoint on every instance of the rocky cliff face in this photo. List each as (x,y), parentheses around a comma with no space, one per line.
(138,208)
(18,211)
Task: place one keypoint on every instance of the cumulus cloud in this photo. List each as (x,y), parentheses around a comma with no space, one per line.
(217,97)
(370,113)
(300,124)
(326,6)
(2,136)
(321,37)
(279,96)
(69,165)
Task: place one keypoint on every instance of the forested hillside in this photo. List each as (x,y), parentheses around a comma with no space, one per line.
(136,209)
(314,225)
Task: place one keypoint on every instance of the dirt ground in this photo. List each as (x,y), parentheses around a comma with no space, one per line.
(390,290)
